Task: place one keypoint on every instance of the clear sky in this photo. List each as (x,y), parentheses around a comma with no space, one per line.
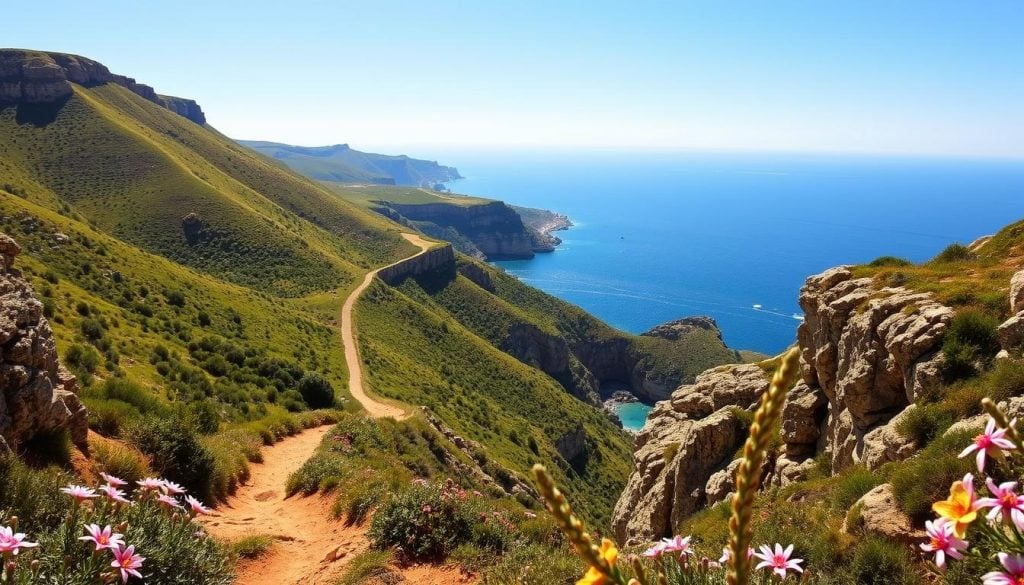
(928,77)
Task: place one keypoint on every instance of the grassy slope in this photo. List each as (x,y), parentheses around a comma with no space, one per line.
(117,174)
(426,357)
(366,195)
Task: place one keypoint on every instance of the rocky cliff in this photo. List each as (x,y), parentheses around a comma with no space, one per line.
(37,395)
(436,259)
(490,231)
(867,353)
(36,77)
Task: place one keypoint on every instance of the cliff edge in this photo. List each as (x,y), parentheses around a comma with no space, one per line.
(38,77)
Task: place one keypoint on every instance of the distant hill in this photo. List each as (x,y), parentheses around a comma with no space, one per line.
(342,164)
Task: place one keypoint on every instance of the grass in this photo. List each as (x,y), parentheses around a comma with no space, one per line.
(251,547)
(367,566)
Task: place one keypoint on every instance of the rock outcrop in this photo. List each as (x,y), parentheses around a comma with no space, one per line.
(36,77)
(1011,332)
(867,354)
(488,231)
(878,513)
(687,440)
(871,351)
(681,327)
(37,395)
(439,259)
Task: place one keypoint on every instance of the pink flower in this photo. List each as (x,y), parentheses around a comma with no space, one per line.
(1005,502)
(114,495)
(943,541)
(79,492)
(12,542)
(1014,573)
(168,502)
(655,551)
(171,488)
(778,561)
(426,509)
(151,484)
(197,507)
(990,443)
(113,480)
(677,544)
(126,561)
(103,538)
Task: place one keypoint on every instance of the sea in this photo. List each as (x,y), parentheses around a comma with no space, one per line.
(663,235)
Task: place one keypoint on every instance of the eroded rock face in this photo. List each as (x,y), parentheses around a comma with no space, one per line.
(871,351)
(880,514)
(866,353)
(680,448)
(1017,292)
(36,394)
(36,77)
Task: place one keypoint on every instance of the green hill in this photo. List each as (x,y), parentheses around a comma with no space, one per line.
(343,164)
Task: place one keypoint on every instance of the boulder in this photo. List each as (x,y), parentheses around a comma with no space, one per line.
(1017,292)
(802,415)
(722,484)
(878,513)
(884,443)
(1011,334)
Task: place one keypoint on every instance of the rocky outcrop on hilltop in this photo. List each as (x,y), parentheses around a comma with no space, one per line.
(37,395)
(681,327)
(36,77)
(867,353)
(489,231)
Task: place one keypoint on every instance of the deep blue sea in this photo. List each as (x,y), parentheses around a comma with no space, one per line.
(661,236)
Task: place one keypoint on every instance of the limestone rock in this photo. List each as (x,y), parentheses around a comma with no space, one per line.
(884,444)
(722,484)
(802,415)
(790,468)
(36,394)
(1011,334)
(736,385)
(1017,292)
(880,514)
(673,462)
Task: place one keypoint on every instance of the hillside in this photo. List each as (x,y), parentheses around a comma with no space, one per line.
(342,164)
(190,279)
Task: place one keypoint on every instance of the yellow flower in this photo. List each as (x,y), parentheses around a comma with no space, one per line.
(960,507)
(594,575)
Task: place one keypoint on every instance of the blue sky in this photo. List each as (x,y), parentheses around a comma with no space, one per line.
(929,77)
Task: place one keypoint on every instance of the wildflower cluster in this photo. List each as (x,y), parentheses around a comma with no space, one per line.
(987,527)
(98,520)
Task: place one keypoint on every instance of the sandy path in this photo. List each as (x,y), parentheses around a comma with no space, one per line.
(375,408)
(303,527)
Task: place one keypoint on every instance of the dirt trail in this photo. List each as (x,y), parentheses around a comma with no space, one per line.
(375,408)
(310,547)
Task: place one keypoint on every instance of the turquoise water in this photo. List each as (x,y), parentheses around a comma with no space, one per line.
(632,414)
(661,236)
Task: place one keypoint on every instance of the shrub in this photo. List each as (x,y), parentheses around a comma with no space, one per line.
(251,547)
(924,423)
(316,391)
(422,524)
(954,253)
(367,565)
(971,338)
(1005,380)
(851,485)
(176,453)
(890,261)
(108,417)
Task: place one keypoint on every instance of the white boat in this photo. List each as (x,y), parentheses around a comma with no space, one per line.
(757,307)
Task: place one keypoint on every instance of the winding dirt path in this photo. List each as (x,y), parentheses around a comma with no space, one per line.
(375,408)
(310,545)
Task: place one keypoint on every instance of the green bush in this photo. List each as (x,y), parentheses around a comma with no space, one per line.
(851,484)
(954,253)
(252,547)
(422,522)
(176,453)
(533,563)
(316,390)
(924,423)
(119,460)
(883,261)
(970,339)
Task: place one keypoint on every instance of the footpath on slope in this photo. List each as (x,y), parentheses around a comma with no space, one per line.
(310,546)
(375,408)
